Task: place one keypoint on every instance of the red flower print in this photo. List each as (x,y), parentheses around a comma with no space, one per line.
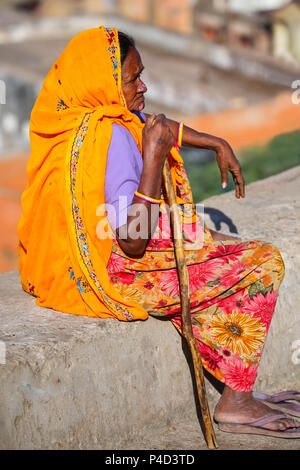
(234,274)
(125,278)
(165,225)
(159,244)
(235,301)
(149,285)
(226,352)
(209,355)
(168,281)
(116,263)
(238,375)
(262,306)
(200,273)
(193,232)
(227,253)
(162,238)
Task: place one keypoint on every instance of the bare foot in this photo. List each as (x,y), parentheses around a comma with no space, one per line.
(242,408)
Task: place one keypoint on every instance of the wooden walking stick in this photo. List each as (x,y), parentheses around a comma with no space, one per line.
(187,330)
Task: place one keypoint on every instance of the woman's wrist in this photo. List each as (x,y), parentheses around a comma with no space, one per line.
(150,182)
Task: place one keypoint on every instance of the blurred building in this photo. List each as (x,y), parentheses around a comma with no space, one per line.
(140,11)
(176,15)
(249,6)
(267,26)
(286,32)
(217,21)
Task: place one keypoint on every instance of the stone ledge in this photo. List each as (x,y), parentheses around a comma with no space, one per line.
(79,383)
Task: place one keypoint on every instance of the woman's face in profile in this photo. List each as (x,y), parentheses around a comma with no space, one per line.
(132,86)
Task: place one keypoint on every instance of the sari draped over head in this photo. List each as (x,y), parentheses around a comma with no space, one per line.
(62,261)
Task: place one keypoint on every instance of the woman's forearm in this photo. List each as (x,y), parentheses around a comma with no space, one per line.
(225,156)
(192,138)
(142,216)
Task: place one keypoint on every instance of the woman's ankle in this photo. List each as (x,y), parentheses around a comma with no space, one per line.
(233,396)
(232,400)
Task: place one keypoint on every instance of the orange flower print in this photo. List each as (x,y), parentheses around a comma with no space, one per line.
(241,333)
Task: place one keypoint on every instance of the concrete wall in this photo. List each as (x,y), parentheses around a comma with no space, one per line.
(72,382)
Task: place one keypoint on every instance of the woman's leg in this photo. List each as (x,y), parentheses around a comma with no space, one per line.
(232,320)
(233,294)
(231,333)
(238,406)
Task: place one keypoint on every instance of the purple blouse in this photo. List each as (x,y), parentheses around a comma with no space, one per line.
(123,173)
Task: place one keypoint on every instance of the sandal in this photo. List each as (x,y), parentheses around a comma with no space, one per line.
(256,427)
(281,401)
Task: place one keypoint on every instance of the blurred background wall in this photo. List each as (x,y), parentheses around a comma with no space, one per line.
(226,67)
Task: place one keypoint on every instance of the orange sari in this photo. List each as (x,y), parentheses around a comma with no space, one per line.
(70,133)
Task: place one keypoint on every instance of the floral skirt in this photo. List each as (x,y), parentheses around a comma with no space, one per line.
(233,293)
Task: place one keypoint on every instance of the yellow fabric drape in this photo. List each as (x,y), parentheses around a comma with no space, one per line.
(62,261)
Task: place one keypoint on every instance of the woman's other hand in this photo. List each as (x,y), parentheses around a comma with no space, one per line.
(226,159)
(158,140)
(228,162)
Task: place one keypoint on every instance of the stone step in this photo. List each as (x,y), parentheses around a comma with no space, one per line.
(78,382)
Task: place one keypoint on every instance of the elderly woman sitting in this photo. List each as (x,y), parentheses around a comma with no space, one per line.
(95,237)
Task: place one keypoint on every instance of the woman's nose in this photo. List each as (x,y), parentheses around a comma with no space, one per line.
(142,87)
